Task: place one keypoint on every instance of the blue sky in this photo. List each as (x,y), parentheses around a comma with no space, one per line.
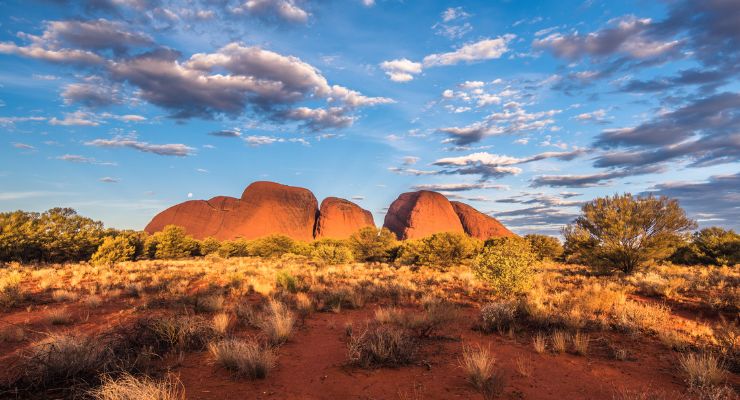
(523,109)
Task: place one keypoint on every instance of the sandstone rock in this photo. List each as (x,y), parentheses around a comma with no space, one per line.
(415,215)
(340,218)
(265,208)
(478,224)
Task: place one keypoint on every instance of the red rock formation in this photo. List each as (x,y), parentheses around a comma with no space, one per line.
(478,224)
(418,214)
(340,218)
(265,208)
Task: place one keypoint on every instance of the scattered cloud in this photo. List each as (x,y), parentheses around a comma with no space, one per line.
(108,179)
(175,149)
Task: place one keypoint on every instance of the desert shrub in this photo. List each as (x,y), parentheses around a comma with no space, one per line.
(114,250)
(372,244)
(331,251)
(272,246)
(286,281)
(209,245)
(625,232)
(209,303)
(497,316)
(436,315)
(277,323)
(57,235)
(382,346)
(173,243)
(439,250)
(710,246)
(245,358)
(507,263)
(479,365)
(545,247)
(11,292)
(129,387)
(234,248)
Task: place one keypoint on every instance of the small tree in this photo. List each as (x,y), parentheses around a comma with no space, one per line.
(114,250)
(624,232)
(507,263)
(271,246)
(372,244)
(331,251)
(172,243)
(234,248)
(545,247)
(209,245)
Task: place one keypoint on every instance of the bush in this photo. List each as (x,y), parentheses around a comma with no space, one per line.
(715,246)
(173,243)
(545,247)
(272,246)
(372,244)
(439,250)
(332,251)
(209,245)
(506,263)
(114,250)
(234,248)
(497,316)
(625,232)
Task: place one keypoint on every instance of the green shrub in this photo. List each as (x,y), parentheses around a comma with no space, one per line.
(372,244)
(710,246)
(506,263)
(545,247)
(57,235)
(209,245)
(234,248)
(331,251)
(173,243)
(439,250)
(271,246)
(625,232)
(286,281)
(114,250)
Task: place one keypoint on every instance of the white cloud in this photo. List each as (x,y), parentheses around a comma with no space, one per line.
(401,70)
(485,49)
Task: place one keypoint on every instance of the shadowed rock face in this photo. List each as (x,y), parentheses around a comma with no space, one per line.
(339,218)
(415,215)
(478,224)
(265,208)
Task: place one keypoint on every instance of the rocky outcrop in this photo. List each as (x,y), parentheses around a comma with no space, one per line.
(340,218)
(415,215)
(478,224)
(265,208)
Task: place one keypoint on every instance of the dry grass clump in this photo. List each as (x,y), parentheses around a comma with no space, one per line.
(497,316)
(559,341)
(64,360)
(129,387)
(209,303)
(381,345)
(479,365)
(580,343)
(221,322)
(60,295)
(59,316)
(93,301)
(539,342)
(702,370)
(436,315)
(277,323)
(11,292)
(245,358)
(12,334)
(303,304)
(180,333)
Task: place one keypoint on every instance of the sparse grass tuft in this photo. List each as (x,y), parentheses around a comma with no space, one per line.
(59,316)
(277,323)
(221,322)
(209,303)
(129,387)
(61,295)
(180,333)
(245,358)
(559,341)
(580,343)
(479,365)
(539,342)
